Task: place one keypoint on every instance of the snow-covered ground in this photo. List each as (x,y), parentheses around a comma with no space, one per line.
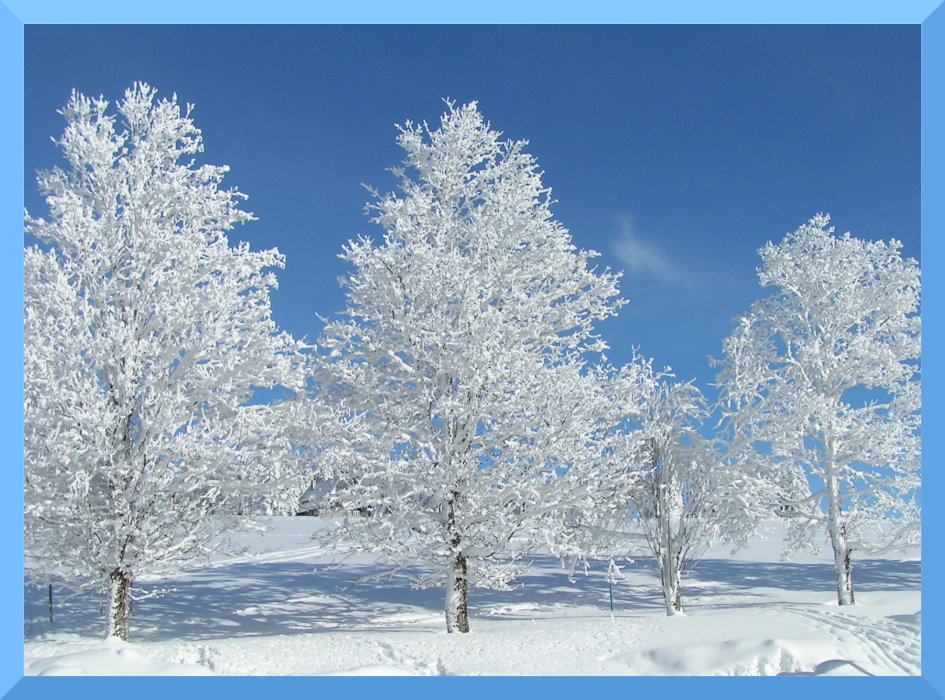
(283,609)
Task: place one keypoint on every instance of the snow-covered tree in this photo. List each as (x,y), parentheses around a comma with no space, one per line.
(821,380)
(668,490)
(146,335)
(462,355)
(694,491)
(684,497)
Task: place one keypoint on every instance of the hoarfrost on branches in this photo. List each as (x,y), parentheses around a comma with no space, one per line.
(821,380)
(668,491)
(146,333)
(462,356)
(690,496)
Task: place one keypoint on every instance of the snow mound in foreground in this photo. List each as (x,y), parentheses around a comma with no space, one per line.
(113,660)
(374,670)
(735,657)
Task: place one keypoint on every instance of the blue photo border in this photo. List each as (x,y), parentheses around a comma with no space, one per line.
(14,14)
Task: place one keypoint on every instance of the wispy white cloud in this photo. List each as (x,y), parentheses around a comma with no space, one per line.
(642,256)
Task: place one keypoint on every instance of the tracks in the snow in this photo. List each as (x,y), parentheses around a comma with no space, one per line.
(889,647)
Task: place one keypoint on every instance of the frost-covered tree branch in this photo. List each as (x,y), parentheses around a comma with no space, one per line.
(462,357)
(821,380)
(146,335)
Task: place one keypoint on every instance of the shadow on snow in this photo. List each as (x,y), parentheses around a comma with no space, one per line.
(284,598)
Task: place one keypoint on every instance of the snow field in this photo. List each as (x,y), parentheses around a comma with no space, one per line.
(285,608)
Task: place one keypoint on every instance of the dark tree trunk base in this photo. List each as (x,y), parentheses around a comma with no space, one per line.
(119,608)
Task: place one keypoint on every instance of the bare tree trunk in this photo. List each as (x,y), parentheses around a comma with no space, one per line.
(457,596)
(51,620)
(843,565)
(668,556)
(848,572)
(457,586)
(119,605)
(671,578)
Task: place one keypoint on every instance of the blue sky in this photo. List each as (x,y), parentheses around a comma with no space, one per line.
(728,216)
(675,151)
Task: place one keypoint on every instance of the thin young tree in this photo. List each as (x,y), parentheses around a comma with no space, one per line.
(821,381)
(669,491)
(146,334)
(683,502)
(673,505)
(462,354)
